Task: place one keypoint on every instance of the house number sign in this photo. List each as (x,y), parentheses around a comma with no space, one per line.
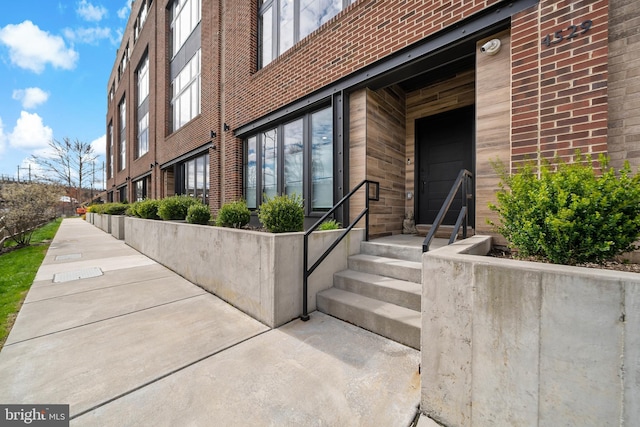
(571,32)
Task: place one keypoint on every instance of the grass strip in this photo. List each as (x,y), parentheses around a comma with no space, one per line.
(18,268)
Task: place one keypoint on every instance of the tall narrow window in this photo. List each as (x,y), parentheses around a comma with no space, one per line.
(322,159)
(270,163)
(195,178)
(293,157)
(141,189)
(250,172)
(186,93)
(110,136)
(123,134)
(143,108)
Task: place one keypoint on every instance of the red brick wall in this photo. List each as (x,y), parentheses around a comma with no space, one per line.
(559,92)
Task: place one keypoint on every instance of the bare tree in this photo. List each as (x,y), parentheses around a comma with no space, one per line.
(24,207)
(67,163)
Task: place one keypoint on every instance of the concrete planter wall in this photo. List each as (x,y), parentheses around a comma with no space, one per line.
(117,226)
(259,273)
(520,343)
(103,222)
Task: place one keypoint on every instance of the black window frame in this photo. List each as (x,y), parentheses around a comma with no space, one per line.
(307,170)
(275,5)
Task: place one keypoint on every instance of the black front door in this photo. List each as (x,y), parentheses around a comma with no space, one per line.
(444,143)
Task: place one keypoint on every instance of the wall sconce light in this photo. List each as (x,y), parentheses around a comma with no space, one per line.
(226,127)
(151,166)
(491,47)
(213,134)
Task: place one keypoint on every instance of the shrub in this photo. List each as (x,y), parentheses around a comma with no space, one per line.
(233,214)
(175,207)
(282,214)
(198,214)
(330,224)
(132,210)
(571,215)
(148,209)
(115,208)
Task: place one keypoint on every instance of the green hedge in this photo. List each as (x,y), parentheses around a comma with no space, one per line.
(176,207)
(198,214)
(571,215)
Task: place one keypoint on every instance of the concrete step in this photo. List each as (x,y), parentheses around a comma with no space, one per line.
(444,231)
(410,271)
(387,250)
(398,292)
(389,320)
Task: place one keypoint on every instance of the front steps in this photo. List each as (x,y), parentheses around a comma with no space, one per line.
(381,292)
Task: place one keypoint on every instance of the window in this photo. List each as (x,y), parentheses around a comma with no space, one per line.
(142,17)
(185,100)
(122,194)
(295,157)
(110,136)
(283,23)
(195,178)
(112,91)
(185,17)
(141,189)
(123,134)
(143,107)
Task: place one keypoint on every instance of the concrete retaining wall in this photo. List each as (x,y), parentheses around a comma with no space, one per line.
(117,226)
(103,222)
(259,273)
(520,343)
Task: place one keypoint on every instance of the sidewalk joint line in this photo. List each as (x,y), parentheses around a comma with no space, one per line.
(96,289)
(105,319)
(163,376)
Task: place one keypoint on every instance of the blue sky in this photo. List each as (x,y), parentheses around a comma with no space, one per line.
(55,60)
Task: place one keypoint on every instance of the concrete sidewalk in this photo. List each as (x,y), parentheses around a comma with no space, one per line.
(126,342)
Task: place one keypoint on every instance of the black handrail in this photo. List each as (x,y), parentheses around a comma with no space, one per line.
(464,179)
(365,212)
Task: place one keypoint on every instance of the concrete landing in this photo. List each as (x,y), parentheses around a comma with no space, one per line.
(139,345)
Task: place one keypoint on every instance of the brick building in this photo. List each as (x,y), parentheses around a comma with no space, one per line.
(237,99)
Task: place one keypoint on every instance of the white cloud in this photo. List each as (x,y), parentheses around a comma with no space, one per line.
(123,13)
(89,12)
(100,145)
(30,132)
(87,35)
(31,48)
(30,97)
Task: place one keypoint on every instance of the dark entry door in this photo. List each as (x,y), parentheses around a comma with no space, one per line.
(444,143)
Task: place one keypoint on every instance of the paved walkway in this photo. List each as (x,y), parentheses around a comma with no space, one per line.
(126,342)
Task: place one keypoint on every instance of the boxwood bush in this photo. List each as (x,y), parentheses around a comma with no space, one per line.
(198,214)
(571,215)
(175,207)
(233,214)
(147,209)
(282,214)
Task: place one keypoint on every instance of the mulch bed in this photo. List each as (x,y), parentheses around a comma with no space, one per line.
(606,265)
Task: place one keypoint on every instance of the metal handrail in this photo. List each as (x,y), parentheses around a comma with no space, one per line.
(365,212)
(464,179)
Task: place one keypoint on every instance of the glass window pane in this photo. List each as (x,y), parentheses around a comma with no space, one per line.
(322,159)
(269,163)
(314,13)
(250,183)
(200,178)
(286,25)
(267,36)
(191,177)
(293,158)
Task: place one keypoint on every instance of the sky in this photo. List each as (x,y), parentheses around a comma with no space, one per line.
(55,61)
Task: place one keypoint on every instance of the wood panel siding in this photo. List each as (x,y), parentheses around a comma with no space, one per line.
(493,119)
